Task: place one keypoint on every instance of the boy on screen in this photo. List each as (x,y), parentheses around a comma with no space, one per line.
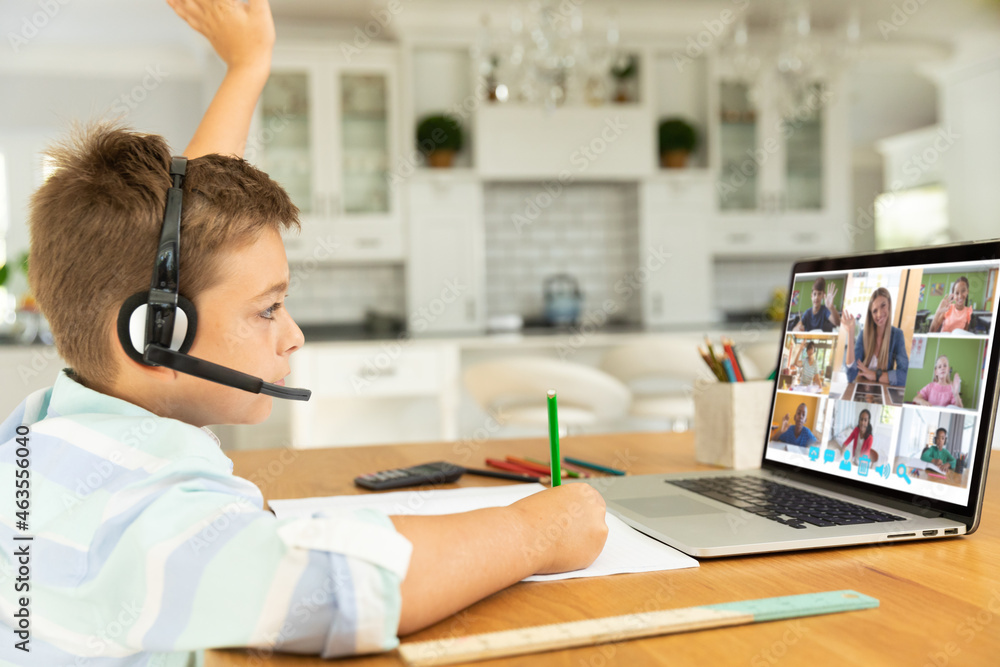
(823,315)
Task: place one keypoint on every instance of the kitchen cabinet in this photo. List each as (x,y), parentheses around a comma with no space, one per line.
(783,179)
(445,275)
(675,256)
(614,141)
(327,129)
(355,386)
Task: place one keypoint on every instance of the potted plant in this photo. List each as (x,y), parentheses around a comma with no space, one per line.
(677,139)
(439,137)
(624,70)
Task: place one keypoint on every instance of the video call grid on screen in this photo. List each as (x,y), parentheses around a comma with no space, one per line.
(919,429)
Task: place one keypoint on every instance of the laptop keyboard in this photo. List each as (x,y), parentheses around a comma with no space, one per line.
(784,504)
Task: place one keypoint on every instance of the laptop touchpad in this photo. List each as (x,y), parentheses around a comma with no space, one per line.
(659,506)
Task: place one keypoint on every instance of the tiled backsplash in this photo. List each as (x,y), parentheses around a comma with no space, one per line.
(743,285)
(590,231)
(342,294)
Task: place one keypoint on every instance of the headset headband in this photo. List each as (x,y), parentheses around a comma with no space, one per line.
(163,288)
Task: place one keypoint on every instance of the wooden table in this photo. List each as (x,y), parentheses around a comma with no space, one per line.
(940,600)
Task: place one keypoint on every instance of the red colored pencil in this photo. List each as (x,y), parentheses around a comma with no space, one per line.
(512,467)
(736,357)
(731,355)
(535,467)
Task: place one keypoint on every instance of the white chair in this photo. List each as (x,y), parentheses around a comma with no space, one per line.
(661,375)
(759,359)
(513,390)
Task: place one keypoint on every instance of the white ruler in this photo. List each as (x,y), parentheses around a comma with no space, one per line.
(631,626)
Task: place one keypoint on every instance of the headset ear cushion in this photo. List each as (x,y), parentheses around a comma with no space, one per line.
(131,326)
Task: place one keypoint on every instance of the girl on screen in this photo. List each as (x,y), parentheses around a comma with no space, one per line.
(861,436)
(879,353)
(953,313)
(944,389)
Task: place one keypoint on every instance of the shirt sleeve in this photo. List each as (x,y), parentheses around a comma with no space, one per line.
(925,393)
(859,354)
(897,375)
(202,565)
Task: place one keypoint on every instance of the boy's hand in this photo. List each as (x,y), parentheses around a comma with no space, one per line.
(242,34)
(567,524)
(830,296)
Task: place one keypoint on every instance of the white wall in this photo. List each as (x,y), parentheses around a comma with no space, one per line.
(38,109)
(971,113)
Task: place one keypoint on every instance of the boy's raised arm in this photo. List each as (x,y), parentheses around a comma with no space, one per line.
(242,34)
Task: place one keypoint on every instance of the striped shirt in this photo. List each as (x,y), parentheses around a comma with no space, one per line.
(146,548)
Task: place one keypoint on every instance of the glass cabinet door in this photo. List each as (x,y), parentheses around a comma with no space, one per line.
(285,137)
(737,140)
(364,132)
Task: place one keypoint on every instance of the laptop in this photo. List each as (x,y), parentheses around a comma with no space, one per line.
(860,447)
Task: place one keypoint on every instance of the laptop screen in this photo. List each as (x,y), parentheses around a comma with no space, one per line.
(882,378)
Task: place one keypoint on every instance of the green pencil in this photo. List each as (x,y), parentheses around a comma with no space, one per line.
(554,458)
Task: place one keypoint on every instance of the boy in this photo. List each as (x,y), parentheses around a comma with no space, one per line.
(145,547)
(822,316)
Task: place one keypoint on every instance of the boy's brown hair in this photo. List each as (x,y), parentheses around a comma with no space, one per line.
(95,225)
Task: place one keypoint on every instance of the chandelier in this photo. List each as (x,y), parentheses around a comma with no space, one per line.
(545,55)
(788,63)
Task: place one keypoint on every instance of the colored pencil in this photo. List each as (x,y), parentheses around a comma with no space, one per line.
(574,468)
(728,365)
(512,467)
(711,366)
(565,471)
(539,468)
(593,466)
(727,346)
(512,476)
(711,352)
(554,458)
(736,360)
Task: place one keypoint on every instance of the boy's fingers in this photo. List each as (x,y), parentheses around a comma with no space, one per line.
(190,11)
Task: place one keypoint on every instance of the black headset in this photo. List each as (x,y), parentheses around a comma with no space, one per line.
(157,328)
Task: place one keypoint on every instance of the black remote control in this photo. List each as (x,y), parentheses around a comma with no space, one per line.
(438,472)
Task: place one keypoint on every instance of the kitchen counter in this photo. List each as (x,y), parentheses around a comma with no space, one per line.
(541,336)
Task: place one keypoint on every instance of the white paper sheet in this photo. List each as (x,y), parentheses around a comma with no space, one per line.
(627,550)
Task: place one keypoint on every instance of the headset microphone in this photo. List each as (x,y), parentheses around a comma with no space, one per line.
(162,323)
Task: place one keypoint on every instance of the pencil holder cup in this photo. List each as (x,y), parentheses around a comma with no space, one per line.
(730,423)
